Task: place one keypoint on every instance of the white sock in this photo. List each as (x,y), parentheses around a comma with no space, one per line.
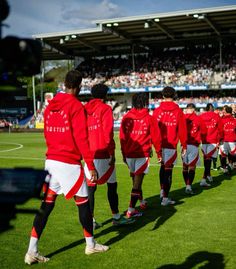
(33,245)
(131,209)
(116,216)
(188,187)
(90,241)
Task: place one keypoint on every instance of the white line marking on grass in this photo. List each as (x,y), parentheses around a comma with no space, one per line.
(19,146)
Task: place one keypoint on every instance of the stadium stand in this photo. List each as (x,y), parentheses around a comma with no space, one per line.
(191,50)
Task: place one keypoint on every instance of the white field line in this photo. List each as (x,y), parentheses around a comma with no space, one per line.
(42,159)
(18,146)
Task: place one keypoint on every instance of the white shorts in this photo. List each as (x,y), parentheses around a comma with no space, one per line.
(138,166)
(209,151)
(106,172)
(228,148)
(169,156)
(67,179)
(192,156)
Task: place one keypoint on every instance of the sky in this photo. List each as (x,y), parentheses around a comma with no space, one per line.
(31,17)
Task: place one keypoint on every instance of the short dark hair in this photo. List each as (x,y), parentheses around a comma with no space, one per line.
(99,91)
(228,109)
(209,107)
(73,79)
(191,105)
(169,92)
(140,100)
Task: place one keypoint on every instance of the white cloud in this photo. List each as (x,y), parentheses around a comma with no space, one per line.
(84,13)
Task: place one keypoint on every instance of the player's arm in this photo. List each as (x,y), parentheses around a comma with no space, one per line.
(122,139)
(182,131)
(156,137)
(108,132)
(80,131)
(220,129)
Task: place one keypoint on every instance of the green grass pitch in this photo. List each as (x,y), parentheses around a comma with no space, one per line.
(198,232)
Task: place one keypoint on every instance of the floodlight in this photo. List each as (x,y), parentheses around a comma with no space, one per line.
(146,25)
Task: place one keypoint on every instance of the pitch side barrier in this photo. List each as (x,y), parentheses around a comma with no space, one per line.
(85,91)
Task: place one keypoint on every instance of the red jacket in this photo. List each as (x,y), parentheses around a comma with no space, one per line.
(65,130)
(172,124)
(138,132)
(213,124)
(229,128)
(100,129)
(195,128)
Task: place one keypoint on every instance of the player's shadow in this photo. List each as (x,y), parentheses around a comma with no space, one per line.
(202,259)
(155,214)
(65,248)
(180,194)
(158,214)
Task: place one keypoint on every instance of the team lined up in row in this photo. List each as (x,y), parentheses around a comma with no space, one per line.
(164,129)
(74,132)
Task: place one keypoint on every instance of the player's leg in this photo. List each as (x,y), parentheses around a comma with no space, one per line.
(207,165)
(185,167)
(162,179)
(169,158)
(136,192)
(92,187)
(40,221)
(112,196)
(91,195)
(86,220)
(138,168)
(167,182)
(191,176)
(192,161)
(185,174)
(231,155)
(117,218)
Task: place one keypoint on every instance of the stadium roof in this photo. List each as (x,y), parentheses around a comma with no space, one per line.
(140,33)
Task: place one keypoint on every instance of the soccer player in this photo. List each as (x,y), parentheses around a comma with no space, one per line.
(210,141)
(138,132)
(172,124)
(228,146)
(102,145)
(65,133)
(195,129)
